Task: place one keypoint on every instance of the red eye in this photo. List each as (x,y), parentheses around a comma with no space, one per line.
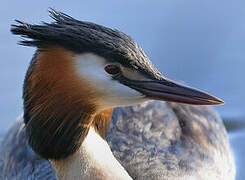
(112,69)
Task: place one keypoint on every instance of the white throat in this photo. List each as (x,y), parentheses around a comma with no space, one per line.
(94,160)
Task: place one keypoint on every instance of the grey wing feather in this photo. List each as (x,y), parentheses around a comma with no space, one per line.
(18,161)
(154,140)
(159,140)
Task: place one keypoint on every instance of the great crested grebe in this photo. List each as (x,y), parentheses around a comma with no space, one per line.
(79,73)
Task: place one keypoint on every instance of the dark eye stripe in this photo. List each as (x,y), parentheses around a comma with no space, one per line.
(112,69)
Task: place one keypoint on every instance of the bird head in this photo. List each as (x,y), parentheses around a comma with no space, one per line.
(109,63)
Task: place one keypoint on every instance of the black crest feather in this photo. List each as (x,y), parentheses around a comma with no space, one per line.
(82,36)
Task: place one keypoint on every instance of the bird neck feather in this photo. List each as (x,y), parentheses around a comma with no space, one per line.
(58,105)
(93,160)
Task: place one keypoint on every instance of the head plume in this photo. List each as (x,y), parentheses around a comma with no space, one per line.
(82,37)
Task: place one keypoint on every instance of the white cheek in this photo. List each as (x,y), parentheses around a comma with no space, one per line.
(91,68)
(121,95)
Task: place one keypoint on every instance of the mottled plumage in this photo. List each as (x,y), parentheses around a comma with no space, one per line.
(153,140)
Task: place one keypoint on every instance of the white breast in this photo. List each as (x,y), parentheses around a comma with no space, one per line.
(94,160)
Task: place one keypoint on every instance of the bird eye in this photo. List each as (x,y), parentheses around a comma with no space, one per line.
(112,69)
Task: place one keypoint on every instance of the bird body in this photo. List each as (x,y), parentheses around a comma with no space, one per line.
(79,73)
(183,142)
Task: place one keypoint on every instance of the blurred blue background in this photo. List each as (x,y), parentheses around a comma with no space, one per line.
(201,43)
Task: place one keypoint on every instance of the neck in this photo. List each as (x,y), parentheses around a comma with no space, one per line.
(58,109)
(93,160)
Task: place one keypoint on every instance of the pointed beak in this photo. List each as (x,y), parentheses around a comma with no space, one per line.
(169,91)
